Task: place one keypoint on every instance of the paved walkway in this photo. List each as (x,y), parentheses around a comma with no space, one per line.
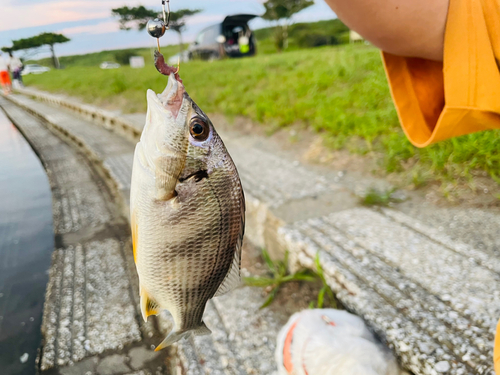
(425,279)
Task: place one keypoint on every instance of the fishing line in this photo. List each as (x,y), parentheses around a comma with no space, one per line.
(156,28)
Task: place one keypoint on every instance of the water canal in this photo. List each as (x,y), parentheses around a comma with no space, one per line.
(26,244)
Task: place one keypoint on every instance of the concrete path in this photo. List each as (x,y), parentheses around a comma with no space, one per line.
(425,279)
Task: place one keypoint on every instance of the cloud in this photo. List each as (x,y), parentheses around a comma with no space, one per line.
(100,28)
(39,14)
(17,14)
(204,18)
(49,13)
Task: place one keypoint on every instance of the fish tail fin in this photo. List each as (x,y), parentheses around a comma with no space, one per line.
(202,330)
(172,337)
(175,336)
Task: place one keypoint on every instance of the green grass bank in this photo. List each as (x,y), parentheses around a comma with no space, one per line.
(339,91)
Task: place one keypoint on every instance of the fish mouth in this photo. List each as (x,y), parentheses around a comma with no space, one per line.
(165,130)
(171,98)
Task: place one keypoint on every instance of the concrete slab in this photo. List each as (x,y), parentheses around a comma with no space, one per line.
(430,295)
(113,365)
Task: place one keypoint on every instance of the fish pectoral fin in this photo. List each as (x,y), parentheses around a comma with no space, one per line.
(148,305)
(165,185)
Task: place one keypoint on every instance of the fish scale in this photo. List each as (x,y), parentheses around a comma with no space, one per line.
(187,212)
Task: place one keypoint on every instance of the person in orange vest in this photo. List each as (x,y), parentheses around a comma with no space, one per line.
(442,62)
(5,81)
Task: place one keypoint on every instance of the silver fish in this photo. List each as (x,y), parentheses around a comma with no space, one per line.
(187,212)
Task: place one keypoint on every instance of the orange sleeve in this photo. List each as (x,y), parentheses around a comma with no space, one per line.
(496,355)
(437,101)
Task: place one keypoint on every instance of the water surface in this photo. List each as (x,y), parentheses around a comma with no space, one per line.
(26,244)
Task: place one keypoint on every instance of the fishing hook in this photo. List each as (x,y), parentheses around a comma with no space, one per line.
(178,65)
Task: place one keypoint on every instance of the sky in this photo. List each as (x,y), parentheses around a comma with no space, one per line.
(90,26)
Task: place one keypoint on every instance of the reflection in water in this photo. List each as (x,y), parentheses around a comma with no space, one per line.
(26,244)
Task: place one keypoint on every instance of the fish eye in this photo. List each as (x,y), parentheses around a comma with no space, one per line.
(199,129)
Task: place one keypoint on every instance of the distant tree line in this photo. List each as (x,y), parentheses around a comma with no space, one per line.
(38,41)
(282,11)
(138,17)
(311,34)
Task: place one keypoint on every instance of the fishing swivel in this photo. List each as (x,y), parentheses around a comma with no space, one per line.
(156,28)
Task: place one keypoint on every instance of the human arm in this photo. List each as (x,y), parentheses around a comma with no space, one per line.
(413,28)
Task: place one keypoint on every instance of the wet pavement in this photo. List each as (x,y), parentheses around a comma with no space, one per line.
(26,244)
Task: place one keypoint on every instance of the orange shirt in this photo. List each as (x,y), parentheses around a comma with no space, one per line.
(437,101)
(496,353)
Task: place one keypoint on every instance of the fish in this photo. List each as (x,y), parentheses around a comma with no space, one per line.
(187,211)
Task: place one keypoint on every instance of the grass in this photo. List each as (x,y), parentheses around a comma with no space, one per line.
(325,290)
(279,275)
(338,91)
(94,59)
(376,197)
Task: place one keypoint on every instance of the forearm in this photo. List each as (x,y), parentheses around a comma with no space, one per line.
(403,27)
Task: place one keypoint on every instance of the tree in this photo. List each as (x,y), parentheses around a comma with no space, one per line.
(139,17)
(44,39)
(136,15)
(277,10)
(178,21)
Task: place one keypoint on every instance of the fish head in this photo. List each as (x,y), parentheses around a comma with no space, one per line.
(179,140)
(165,130)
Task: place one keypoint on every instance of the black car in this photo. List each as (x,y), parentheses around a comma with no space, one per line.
(231,38)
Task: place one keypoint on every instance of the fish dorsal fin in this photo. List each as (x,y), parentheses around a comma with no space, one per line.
(233,279)
(148,305)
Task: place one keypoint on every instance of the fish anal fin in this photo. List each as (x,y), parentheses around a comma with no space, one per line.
(202,330)
(148,305)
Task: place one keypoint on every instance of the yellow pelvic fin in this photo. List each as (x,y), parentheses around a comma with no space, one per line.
(148,305)
(134,227)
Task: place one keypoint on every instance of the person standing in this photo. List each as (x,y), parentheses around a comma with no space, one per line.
(16,67)
(4,76)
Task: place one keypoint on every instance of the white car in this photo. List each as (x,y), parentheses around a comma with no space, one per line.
(34,69)
(109,65)
(184,57)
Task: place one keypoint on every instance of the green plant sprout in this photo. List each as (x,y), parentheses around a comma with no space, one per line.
(280,276)
(375,197)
